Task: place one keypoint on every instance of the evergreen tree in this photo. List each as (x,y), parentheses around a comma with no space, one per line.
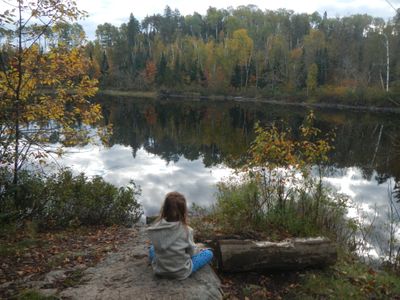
(162,70)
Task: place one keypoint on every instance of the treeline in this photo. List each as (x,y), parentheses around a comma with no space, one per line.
(247,49)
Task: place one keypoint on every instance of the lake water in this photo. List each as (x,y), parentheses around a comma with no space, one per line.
(188,146)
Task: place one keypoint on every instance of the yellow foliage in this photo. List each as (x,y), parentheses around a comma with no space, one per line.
(315,40)
(47,88)
(274,148)
(241,47)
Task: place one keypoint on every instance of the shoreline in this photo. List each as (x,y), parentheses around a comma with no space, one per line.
(197,97)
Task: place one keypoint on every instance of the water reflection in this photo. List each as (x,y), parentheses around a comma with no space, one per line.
(217,133)
(220,132)
(189,145)
(370,204)
(153,174)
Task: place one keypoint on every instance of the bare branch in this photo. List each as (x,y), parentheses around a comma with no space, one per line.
(391,5)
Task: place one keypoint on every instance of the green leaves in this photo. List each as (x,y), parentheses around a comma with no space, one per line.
(60,199)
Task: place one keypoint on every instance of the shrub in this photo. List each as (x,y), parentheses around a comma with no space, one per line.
(278,193)
(314,211)
(63,200)
(236,207)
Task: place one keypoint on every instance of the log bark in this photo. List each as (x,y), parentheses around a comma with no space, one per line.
(291,254)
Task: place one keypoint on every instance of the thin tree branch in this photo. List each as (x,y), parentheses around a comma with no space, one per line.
(391,5)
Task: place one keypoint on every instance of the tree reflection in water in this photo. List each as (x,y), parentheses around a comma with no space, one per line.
(220,132)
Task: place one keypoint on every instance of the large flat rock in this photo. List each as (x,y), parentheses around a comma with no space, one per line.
(127,274)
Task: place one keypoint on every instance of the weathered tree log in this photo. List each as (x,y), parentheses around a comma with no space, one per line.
(291,254)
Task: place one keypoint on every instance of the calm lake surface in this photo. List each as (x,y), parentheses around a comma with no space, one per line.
(188,146)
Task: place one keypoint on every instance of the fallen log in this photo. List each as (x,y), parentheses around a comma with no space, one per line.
(291,254)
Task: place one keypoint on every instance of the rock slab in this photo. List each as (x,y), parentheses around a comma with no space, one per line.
(127,274)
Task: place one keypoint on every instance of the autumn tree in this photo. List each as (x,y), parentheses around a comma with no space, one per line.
(150,72)
(241,47)
(316,52)
(296,69)
(43,93)
(312,78)
(277,57)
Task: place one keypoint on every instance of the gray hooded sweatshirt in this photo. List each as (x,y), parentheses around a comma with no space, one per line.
(173,247)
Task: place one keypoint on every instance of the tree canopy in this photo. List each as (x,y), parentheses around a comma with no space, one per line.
(239,48)
(44,85)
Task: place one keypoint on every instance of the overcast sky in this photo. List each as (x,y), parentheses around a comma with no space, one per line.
(117,11)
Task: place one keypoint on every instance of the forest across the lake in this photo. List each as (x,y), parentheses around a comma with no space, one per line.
(276,54)
(245,50)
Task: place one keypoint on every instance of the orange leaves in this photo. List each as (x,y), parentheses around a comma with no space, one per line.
(274,148)
(150,72)
(151,115)
(296,54)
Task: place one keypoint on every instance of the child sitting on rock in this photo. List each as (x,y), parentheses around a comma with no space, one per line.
(173,253)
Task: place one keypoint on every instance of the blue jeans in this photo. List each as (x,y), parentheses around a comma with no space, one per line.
(199,260)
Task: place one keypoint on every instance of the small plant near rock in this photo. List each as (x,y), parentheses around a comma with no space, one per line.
(73,278)
(34,295)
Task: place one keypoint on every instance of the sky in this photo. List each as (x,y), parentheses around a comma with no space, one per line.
(117,11)
(153,174)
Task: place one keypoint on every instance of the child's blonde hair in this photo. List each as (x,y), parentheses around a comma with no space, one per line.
(174,208)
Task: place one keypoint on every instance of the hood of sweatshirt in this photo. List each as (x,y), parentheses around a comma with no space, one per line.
(164,233)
